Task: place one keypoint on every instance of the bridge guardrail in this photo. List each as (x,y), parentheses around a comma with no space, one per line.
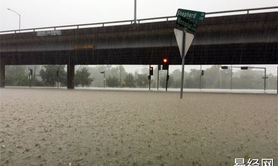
(103,24)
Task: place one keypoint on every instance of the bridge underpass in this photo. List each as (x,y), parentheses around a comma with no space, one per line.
(235,39)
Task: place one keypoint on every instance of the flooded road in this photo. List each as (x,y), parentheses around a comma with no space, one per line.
(79,127)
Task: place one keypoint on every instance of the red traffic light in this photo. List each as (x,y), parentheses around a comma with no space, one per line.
(165,60)
(151,71)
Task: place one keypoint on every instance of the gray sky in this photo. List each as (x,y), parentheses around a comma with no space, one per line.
(38,13)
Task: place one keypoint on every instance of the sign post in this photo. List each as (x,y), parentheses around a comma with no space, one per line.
(183,59)
(187,23)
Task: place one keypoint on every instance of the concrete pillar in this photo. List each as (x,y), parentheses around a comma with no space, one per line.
(70,76)
(2,72)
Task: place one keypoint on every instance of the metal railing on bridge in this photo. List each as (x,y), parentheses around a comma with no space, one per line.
(139,21)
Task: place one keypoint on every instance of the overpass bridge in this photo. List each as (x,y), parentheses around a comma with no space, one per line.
(249,38)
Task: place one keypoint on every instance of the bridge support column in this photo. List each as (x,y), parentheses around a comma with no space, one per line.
(70,76)
(2,72)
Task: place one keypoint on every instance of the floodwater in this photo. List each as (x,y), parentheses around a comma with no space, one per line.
(242,91)
(95,127)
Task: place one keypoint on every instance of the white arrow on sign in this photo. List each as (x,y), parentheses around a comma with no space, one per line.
(188,40)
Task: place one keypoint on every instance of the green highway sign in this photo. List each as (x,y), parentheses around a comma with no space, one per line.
(189,19)
(187,24)
(194,16)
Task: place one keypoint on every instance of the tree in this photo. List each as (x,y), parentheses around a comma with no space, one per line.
(112,81)
(162,81)
(16,76)
(51,74)
(82,77)
(271,82)
(248,79)
(212,78)
(129,81)
(142,80)
(176,75)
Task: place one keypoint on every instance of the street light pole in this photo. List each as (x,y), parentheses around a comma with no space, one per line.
(19,16)
(135,11)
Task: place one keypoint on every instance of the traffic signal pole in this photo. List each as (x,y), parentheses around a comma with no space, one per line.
(264,79)
(201,74)
(167,78)
(150,77)
(231,78)
(158,67)
(149,83)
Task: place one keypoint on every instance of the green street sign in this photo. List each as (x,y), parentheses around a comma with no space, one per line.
(194,16)
(187,24)
(189,19)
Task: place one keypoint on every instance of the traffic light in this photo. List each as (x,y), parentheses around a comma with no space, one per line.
(202,72)
(31,72)
(224,67)
(244,68)
(151,71)
(165,63)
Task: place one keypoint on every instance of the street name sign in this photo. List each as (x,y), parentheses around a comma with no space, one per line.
(195,16)
(187,23)
(189,19)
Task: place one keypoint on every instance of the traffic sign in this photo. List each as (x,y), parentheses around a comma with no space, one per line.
(189,19)
(195,16)
(188,41)
(187,24)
